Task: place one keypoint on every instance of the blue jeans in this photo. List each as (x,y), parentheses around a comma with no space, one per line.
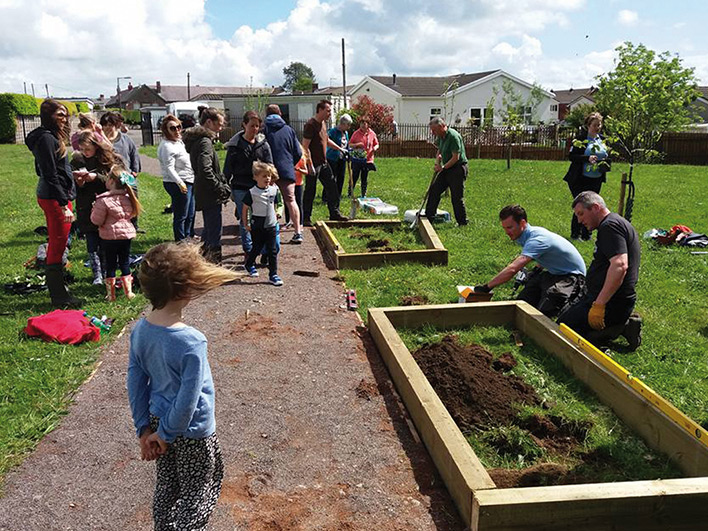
(246,242)
(182,210)
(211,235)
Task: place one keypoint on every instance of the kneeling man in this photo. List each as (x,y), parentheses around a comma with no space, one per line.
(562,274)
(612,276)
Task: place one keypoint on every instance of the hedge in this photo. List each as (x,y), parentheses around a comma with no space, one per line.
(12,105)
(131,116)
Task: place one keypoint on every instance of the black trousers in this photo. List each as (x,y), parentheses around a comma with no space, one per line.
(117,256)
(582,184)
(360,169)
(323,173)
(264,237)
(576,316)
(550,294)
(453,178)
(338,168)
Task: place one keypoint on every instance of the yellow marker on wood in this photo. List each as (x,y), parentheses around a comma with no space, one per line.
(640,387)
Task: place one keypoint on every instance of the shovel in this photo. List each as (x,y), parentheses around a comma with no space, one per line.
(425,199)
(352,211)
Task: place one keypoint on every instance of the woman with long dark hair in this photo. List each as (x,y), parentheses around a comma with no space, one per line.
(55,192)
(91,164)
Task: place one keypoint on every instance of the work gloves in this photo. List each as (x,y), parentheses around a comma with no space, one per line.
(596,316)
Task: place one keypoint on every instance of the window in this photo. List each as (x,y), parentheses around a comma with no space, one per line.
(554,108)
(476,117)
(526,114)
(435,111)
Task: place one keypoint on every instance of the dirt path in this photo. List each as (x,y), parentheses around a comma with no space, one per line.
(313,434)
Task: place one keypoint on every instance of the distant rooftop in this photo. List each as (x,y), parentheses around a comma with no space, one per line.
(428,86)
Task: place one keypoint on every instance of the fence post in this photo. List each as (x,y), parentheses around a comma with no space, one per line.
(623,189)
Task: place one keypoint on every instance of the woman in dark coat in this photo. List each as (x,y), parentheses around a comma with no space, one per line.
(91,164)
(55,192)
(588,165)
(244,148)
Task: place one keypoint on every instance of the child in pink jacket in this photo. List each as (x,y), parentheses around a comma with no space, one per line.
(112,213)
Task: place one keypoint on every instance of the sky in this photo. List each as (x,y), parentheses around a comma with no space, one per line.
(80,47)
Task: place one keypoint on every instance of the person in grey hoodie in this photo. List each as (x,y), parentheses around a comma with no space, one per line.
(55,192)
(286,154)
(211,190)
(243,149)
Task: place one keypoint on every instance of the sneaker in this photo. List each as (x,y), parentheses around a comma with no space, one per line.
(297,238)
(288,225)
(633,332)
(276,280)
(251,270)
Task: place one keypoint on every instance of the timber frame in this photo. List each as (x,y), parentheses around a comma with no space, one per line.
(647,505)
(434,254)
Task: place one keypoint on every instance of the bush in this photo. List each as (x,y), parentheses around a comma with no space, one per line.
(12,105)
(129,116)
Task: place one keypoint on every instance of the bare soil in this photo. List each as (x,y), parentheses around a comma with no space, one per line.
(414,300)
(313,433)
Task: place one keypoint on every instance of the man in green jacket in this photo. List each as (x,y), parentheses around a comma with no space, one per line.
(211,190)
(451,170)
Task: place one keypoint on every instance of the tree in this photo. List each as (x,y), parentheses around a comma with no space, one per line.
(304,84)
(576,117)
(644,96)
(380,115)
(296,71)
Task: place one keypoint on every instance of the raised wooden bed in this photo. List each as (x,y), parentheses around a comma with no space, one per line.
(434,254)
(647,505)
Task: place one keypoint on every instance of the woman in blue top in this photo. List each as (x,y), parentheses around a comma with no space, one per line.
(336,157)
(589,162)
(170,387)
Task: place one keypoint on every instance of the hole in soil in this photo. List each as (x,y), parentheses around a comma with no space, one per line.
(374,244)
(414,300)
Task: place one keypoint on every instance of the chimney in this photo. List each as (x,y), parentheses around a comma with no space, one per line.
(158,87)
(315,86)
(130,85)
(394,79)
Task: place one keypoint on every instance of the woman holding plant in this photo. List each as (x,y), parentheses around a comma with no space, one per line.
(589,162)
(365,143)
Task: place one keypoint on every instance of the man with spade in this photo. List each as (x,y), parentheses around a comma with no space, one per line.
(450,169)
(559,276)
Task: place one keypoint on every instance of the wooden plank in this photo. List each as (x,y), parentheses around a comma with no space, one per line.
(429,236)
(367,260)
(449,315)
(657,429)
(638,505)
(457,463)
(326,239)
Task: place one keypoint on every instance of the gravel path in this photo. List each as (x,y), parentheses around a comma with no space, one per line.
(313,434)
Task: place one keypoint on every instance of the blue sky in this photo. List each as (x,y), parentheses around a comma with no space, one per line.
(80,46)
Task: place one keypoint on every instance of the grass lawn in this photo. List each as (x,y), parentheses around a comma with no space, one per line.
(38,379)
(672,283)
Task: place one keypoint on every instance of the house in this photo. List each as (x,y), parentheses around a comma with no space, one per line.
(460,99)
(160,95)
(700,106)
(295,107)
(567,99)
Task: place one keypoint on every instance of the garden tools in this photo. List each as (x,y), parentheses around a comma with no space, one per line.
(425,199)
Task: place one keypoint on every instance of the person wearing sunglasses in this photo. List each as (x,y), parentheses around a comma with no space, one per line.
(177,177)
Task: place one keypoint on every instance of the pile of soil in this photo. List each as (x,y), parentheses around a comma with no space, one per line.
(414,300)
(479,394)
(475,394)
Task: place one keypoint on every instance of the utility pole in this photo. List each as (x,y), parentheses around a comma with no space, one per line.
(344,76)
(189,92)
(118,87)
(25,84)
(32,84)
(46,87)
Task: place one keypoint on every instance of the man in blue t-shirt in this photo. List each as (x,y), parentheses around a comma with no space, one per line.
(559,276)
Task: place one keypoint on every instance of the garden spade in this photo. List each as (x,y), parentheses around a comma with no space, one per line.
(425,199)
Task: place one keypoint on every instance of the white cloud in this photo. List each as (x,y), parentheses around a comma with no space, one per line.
(627,17)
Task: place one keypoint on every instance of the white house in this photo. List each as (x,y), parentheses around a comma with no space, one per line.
(460,99)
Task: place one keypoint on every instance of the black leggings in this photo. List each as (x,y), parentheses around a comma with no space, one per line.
(117,256)
(582,184)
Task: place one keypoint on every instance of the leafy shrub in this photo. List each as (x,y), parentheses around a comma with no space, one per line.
(12,105)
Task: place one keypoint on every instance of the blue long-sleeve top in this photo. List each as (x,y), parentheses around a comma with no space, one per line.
(169,377)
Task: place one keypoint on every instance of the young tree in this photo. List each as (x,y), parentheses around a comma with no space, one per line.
(516,112)
(576,117)
(296,71)
(646,95)
(380,115)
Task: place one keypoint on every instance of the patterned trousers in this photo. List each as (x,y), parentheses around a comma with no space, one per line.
(188,483)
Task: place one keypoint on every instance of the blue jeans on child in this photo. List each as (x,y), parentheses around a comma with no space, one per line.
(211,235)
(246,242)
(182,210)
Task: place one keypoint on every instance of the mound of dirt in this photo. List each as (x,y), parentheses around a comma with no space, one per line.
(377,244)
(538,475)
(504,363)
(473,392)
(414,300)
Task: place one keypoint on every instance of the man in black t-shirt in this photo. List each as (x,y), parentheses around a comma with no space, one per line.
(611,278)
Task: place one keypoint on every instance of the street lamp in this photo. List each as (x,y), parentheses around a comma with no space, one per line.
(118,86)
